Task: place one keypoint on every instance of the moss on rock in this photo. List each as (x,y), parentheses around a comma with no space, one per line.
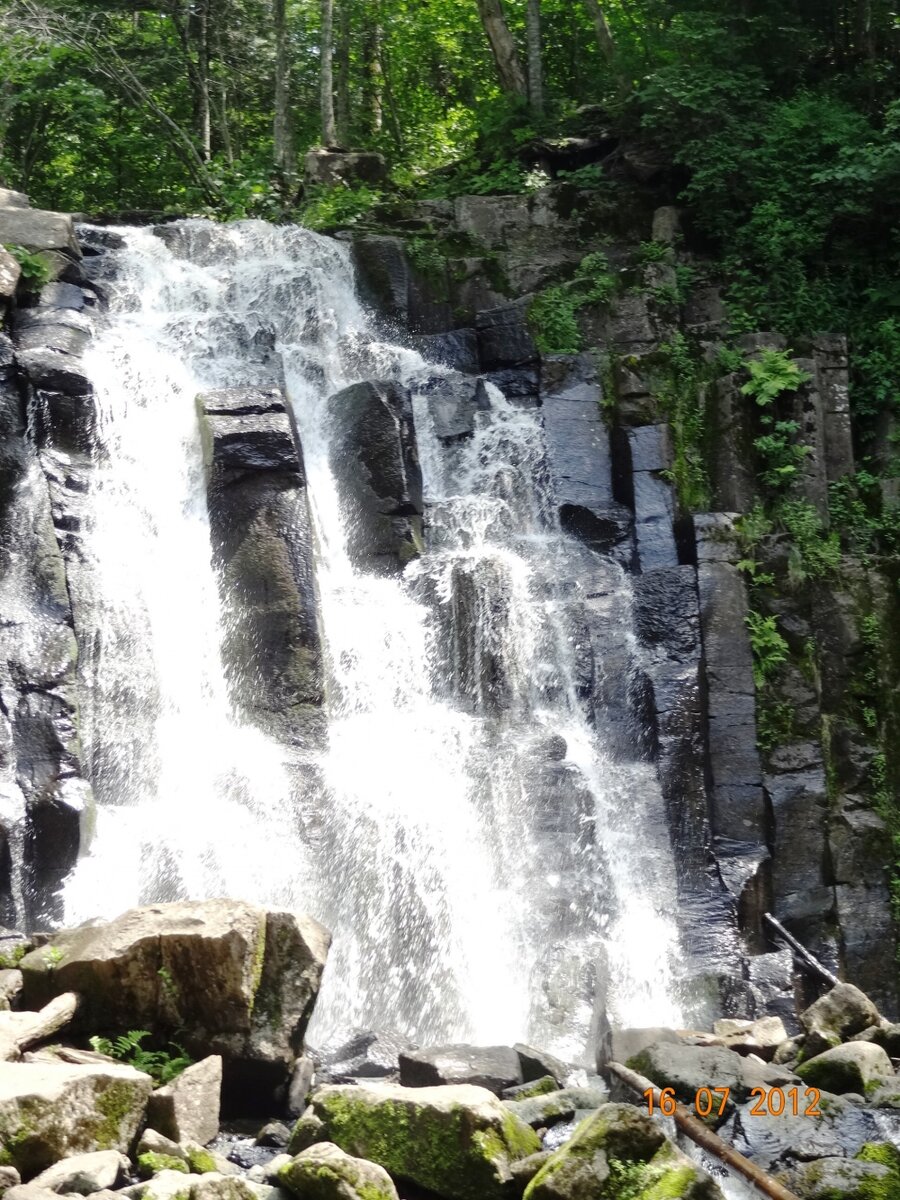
(151,1164)
(457,1141)
(618,1153)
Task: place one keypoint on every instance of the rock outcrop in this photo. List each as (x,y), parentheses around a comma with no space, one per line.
(229,977)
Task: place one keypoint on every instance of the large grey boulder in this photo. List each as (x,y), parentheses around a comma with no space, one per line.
(491,1067)
(35,229)
(187,1109)
(842,1129)
(325,1172)
(857,1067)
(49,1112)
(620,1045)
(456,1141)
(375,459)
(84,1173)
(618,1142)
(837,1016)
(225,976)
(333,167)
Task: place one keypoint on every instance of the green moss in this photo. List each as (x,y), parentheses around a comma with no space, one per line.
(448,1152)
(151,1164)
(9,961)
(540,1087)
(259,961)
(114,1105)
(200,1160)
(882,1153)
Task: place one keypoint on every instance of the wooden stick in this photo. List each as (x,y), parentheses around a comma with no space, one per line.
(704,1137)
(801,951)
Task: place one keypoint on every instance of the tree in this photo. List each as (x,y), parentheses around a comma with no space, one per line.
(605,39)
(535,58)
(282,133)
(503,47)
(326,51)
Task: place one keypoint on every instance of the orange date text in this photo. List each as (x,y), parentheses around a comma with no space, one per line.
(766,1102)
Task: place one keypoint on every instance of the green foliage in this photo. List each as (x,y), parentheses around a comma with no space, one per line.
(162,1065)
(10,960)
(553,314)
(329,208)
(36,273)
(679,386)
(770,650)
(771,373)
(814,550)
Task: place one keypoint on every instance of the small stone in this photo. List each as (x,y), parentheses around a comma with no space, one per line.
(274,1165)
(325,1172)
(202,1161)
(274,1134)
(307,1130)
(155,1143)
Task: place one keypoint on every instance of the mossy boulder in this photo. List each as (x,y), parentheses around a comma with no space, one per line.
(221,976)
(50,1111)
(855,1067)
(843,1179)
(559,1105)
(458,1141)
(152,1163)
(836,1017)
(325,1172)
(619,1153)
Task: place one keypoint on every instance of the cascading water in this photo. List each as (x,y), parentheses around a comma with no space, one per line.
(479,852)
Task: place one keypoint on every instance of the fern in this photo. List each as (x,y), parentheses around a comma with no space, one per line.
(128,1048)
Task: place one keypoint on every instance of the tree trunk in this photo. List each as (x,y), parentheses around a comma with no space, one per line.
(204,128)
(604,33)
(282,132)
(222,130)
(535,63)
(503,47)
(343,73)
(375,78)
(326,51)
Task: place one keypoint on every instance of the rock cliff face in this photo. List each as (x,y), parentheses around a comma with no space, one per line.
(792,830)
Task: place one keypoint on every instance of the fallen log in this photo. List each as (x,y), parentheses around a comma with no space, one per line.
(802,953)
(19,1030)
(704,1137)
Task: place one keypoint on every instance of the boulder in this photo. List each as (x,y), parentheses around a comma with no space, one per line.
(325,1172)
(333,167)
(35,229)
(11,199)
(620,1045)
(837,1016)
(615,1149)
(504,339)
(762,1037)
(300,1085)
(9,1178)
(857,1067)
(458,1141)
(374,457)
(155,1143)
(223,976)
(457,349)
(10,987)
(491,1067)
(83,1174)
(770,1141)
(688,1068)
(49,1112)
(839,1179)
(9,275)
(187,1109)
(368,1054)
(557,1106)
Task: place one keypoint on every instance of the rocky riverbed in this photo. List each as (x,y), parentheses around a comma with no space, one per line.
(139,1053)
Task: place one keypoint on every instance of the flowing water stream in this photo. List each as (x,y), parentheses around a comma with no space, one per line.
(485,860)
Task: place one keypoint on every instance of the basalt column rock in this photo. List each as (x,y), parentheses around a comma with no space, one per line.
(263,542)
(375,460)
(41,784)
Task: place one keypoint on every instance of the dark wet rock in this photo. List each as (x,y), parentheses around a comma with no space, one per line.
(453,401)
(457,350)
(262,536)
(841,1131)
(504,340)
(491,1067)
(374,456)
(383,275)
(828,1178)
(54,371)
(274,1134)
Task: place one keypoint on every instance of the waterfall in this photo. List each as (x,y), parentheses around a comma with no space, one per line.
(485,857)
